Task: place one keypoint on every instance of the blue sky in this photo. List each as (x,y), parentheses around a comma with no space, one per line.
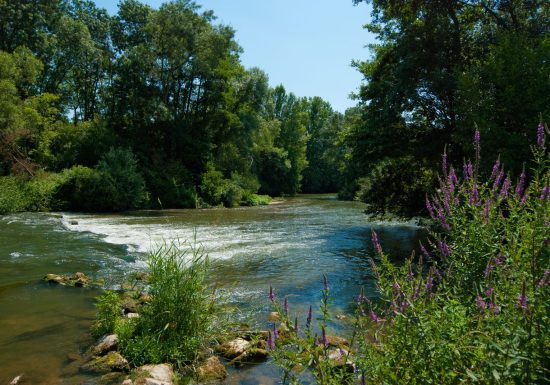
(306,45)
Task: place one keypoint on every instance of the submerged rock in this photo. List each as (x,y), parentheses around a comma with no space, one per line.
(337,341)
(212,369)
(105,345)
(78,279)
(251,355)
(112,362)
(17,380)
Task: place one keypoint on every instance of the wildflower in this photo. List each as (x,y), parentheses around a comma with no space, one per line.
(444,249)
(429,284)
(497,181)
(522,299)
(545,192)
(361,297)
(325,283)
(499,259)
(487,211)
(376,242)
(444,162)
(494,307)
(275,333)
(374,317)
(490,267)
(424,251)
(489,291)
(270,341)
(468,170)
(309,316)
(271,294)
(524,200)
(520,185)
(505,188)
(496,169)
(438,274)
(429,208)
(396,288)
(545,278)
(296,326)
(540,136)
(477,138)
(410,274)
(324,339)
(474,197)
(285,305)
(480,302)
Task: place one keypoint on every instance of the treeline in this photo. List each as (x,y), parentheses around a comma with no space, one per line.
(148,108)
(440,68)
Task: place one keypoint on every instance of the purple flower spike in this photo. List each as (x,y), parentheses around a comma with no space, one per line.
(270,341)
(505,188)
(522,299)
(374,317)
(325,283)
(430,208)
(496,169)
(271,294)
(540,136)
(376,242)
(452,180)
(285,305)
(477,139)
(490,267)
(275,333)
(424,251)
(489,291)
(361,297)
(429,284)
(545,192)
(444,162)
(474,197)
(296,326)
(545,279)
(498,180)
(520,185)
(324,339)
(309,316)
(444,249)
(480,302)
(487,211)
(499,259)
(524,200)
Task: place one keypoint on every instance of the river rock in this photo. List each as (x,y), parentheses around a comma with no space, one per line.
(337,341)
(155,375)
(251,355)
(212,369)
(132,315)
(274,317)
(130,305)
(111,362)
(233,348)
(340,358)
(17,380)
(78,279)
(105,345)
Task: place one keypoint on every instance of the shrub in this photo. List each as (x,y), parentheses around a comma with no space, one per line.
(256,200)
(474,308)
(12,195)
(108,313)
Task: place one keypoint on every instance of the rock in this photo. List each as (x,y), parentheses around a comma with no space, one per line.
(17,380)
(340,358)
(212,369)
(130,305)
(105,345)
(155,375)
(54,278)
(251,355)
(337,341)
(274,317)
(77,280)
(145,298)
(132,315)
(73,356)
(73,222)
(233,348)
(107,379)
(127,382)
(341,317)
(113,361)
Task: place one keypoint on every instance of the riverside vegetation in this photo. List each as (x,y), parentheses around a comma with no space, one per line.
(473,308)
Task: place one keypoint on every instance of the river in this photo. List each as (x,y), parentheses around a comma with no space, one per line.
(288,245)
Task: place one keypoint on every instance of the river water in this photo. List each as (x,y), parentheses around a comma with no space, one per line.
(288,245)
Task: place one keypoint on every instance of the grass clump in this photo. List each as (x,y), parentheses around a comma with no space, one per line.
(178,319)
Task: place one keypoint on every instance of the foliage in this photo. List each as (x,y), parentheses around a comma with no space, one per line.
(439,69)
(12,195)
(256,200)
(108,313)
(474,307)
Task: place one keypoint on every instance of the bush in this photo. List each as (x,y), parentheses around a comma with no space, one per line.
(171,185)
(36,194)
(108,313)
(12,195)
(474,308)
(256,200)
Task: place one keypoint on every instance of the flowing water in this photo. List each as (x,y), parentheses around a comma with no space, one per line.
(288,245)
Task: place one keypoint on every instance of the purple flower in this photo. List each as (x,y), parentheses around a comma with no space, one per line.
(324,339)
(376,242)
(522,299)
(520,185)
(424,251)
(444,249)
(271,294)
(468,170)
(396,288)
(540,136)
(285,305)
(430,208)
(325,283)
(480,302)
(429,284)
(444,162)
(296,326)
(487,211)
(496,169)
(477,138)
(452,180)
(361,297)
(489,291)
(374,317)
(309,316)
(545,278)
(494,307)
(438,274)
(275,333)
(497,181)
(505,188)
(499,259)
(270,341)
(545,192)
(524,200)
(490,267)
(474,197)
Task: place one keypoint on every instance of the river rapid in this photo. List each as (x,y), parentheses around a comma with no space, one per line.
(288,245)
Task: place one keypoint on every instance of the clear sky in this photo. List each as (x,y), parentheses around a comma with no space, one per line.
(306,45)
